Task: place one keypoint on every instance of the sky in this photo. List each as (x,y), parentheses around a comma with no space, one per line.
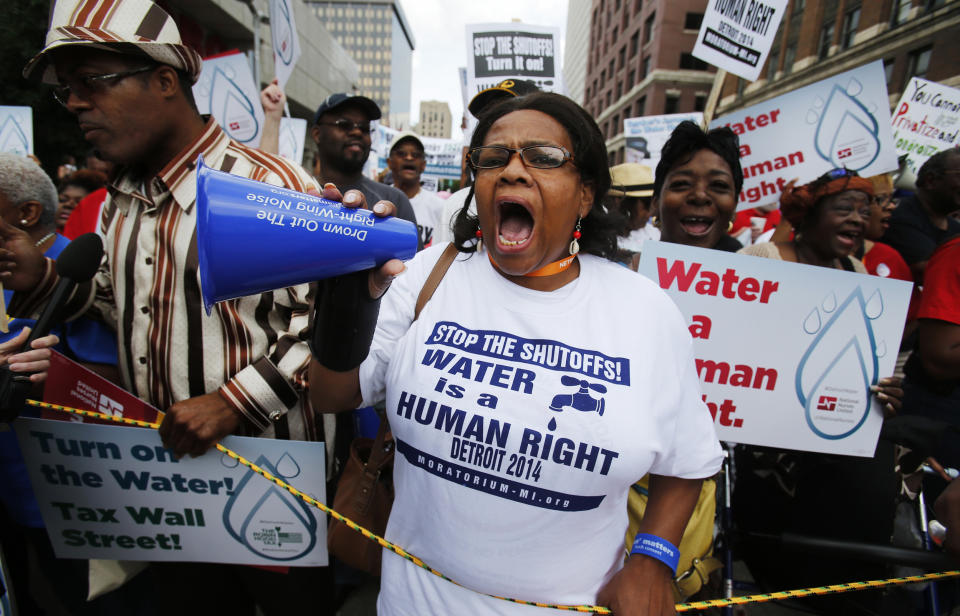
(439,31)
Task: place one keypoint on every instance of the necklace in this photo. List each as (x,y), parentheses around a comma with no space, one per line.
(547,270)
(44,238)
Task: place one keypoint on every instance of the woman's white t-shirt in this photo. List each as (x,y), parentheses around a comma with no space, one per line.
(521,419)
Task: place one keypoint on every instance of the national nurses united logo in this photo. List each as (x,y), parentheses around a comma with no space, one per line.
(835,374)
(268,520)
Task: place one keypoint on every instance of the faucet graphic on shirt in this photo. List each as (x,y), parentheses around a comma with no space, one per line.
(582,400)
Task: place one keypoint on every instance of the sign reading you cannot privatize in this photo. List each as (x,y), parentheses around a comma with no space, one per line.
(926,121)
(786,353)
(736,35)
(114,492)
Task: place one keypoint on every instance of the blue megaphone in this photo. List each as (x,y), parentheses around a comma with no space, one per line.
(254,237)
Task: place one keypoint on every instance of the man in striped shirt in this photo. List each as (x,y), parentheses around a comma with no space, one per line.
(240,370)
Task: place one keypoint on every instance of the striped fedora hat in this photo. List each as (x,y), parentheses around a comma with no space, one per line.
(114,25)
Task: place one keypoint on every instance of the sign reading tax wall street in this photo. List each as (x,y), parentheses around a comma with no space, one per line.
(786,353)
(842,121)
(496,52)
(116,493)
(736,35)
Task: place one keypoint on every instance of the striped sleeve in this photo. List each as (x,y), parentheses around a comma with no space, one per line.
(28,304)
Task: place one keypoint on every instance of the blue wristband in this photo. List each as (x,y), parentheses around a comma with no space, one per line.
(657,547)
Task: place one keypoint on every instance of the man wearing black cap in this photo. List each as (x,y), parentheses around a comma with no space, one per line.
(341,131)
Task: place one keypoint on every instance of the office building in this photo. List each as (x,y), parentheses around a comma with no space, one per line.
(576,48)
(434,119)
(377,35)
(640,63)
(820,38)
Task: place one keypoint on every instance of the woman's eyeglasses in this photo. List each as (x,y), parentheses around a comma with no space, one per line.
(536,156)
(89,85)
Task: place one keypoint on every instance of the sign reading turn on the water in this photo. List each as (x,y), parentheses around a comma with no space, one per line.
(842,121)
(513,50)
(116,493)
(926,121)
(786,353)
(736,35)
(226,90)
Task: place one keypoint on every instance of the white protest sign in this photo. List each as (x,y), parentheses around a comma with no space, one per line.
(842,121)
(786,353)
(115,492)
(16,130)
(286,40)
(736,35)
(646,136)
(227,91)
(442,155)
(502,51)
(926,121)
(293,133)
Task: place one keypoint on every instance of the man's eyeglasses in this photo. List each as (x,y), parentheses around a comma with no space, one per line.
(536,156)
(414,154)
(88,85)
(346,126)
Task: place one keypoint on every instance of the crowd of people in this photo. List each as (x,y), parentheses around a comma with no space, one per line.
(582,366)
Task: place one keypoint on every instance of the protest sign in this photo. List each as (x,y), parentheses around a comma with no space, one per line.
(646,136)
(70,384)
(926,121)
(293,132)
(227,91)
(16,130)
(842,121)
(786,353)
(286,40)
(736,35)
(116,493)
(6,589)
(502,51)
(442,155)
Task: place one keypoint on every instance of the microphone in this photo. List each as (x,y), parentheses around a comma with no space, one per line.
(77,263)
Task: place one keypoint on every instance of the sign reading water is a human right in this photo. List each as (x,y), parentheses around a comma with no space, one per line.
(736,35)
(116,493)
(16,130)
(286,40)
(786,353)
(926,121)
(226,90)
(841,121)
(496,52)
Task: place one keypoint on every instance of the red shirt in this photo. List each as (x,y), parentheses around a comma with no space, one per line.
(742,221)
(884,261)
(941,284)
(85,218)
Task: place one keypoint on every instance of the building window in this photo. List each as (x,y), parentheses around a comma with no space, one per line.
(641,104)
(826,38)
(692,21)
(850,24)
(615,124)
(637,6)
(888,65)
(935,4)
(788,57)
(699,102)
(619,89)
(622,56)
(645,68)
(648,28)
(900,12)
(917,64)
(634,43)
(603,77)
(772,63)
(798,5)
(671,103)
(691,62)
(632,79)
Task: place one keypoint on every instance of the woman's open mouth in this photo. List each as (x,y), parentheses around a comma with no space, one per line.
(697,226)
(516,225)
(848,239)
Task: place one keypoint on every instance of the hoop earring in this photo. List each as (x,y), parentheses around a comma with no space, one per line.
(575,245)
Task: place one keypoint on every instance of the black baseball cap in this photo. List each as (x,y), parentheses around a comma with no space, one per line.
(339,99)
(505,89)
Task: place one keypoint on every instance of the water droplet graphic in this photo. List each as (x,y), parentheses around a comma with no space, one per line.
(553,424)
(12,137)
(854,88)
(818,102)
(874,307)
(829,303)
(882,349)
(811,324)
(268,520)
(847,133)
(232,109)
(842,357)
(283,36)
(228,462)
(287,467)
(813,116)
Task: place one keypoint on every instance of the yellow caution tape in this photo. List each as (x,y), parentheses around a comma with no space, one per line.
(594,609)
